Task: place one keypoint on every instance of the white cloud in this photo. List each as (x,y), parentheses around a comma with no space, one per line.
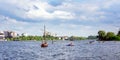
(63,15)
(72,13)
(45,15)
(6,20)
(7,23)
(68,10)
(26,10)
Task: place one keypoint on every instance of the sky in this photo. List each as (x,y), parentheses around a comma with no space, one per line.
(61,17)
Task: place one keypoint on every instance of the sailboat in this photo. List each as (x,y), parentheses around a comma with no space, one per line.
(44,43)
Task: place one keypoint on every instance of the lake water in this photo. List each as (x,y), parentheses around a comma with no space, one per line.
(83,50)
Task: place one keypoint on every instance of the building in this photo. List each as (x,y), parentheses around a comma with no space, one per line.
(2,36)
(63,37)
(7,34)
(14,34)
(10,34)
(24,34)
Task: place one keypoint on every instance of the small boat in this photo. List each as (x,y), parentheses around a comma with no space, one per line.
(90,42)
(44,44)
(70,44)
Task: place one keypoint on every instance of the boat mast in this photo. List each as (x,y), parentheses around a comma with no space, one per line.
(44,34)
(44,43)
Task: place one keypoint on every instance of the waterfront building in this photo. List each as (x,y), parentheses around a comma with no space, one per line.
(2,36)
(47,33)
(10,34)
(63,37)
(7,34)
(50,34)
(24,34)
(13,34)
(53,34)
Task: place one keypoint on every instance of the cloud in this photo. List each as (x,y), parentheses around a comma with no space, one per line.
(67,16)
(28,9)
(63,15)
(10,24)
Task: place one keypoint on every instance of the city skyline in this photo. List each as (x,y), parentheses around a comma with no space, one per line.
(61,17)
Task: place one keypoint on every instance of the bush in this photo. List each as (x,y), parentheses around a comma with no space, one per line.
(117,38)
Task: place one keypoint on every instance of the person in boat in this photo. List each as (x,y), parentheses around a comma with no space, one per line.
(90,42)
(44,44)
(71,44)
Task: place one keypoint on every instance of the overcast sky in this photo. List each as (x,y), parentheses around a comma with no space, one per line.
(63,17)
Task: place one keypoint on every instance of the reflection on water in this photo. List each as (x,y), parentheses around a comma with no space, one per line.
(83,50)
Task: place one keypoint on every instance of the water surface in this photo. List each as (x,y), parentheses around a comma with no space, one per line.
(83,50)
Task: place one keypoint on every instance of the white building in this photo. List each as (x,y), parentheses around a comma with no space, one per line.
(63,37)
(14,34)
(7,34)
(10,34)
(2,36)
(24,34)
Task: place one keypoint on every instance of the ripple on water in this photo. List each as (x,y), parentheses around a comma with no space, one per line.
(30,50)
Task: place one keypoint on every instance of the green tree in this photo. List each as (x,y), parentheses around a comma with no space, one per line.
(92,37)
(110,36)
(101,35)
(117,38)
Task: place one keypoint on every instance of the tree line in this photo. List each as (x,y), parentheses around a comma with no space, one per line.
(102,35)
(108,36)
(47,37)
(20,38)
